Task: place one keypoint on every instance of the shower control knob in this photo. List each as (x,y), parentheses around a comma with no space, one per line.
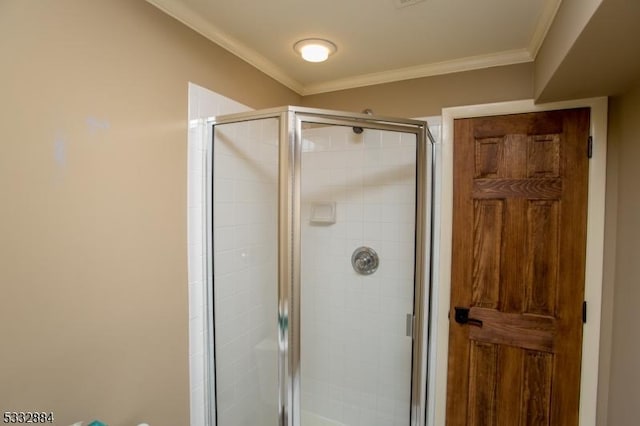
(365,260)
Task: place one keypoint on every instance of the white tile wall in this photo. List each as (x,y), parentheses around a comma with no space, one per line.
(202,104)
(355,357)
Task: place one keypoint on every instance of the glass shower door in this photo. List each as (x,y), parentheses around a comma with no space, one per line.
(245,290)
(357,222)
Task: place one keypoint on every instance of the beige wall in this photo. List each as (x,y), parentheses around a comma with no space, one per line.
(601,61)
(93,137)
(568,24)
(624,140)
(424,97)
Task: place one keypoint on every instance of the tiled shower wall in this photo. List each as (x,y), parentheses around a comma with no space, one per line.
(203,104)
(356,357)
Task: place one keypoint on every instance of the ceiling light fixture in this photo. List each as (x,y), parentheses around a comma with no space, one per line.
(315,49)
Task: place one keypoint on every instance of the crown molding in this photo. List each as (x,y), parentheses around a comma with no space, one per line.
(179,11)
(188,17)
(549,12)
(509,57)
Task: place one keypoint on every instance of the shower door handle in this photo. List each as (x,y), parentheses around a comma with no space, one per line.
(409,325)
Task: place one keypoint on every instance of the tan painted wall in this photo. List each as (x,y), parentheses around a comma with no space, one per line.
(427,96)
(623,405)
(601,61)
(93,138)
(568,24)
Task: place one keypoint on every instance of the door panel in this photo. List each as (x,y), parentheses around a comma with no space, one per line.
(245,272)
(356,354)
(519,239)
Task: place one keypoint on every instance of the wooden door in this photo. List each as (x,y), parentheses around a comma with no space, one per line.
(519,241)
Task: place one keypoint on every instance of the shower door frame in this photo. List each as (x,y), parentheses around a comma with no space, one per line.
(290,120)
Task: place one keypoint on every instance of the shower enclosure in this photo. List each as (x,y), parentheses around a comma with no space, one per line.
(317,270)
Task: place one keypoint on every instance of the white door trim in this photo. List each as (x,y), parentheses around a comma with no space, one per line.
(437,391)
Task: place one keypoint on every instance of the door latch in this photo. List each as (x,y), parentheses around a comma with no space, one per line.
(462,317)
(409,328)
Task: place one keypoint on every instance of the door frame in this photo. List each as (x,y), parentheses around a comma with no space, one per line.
(443,216)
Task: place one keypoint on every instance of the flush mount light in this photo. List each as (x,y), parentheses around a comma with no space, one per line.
(315,49)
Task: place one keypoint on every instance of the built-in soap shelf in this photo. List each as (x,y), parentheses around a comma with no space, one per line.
(323,213)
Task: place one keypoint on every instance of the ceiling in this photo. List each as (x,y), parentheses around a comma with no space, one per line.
(378,41)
